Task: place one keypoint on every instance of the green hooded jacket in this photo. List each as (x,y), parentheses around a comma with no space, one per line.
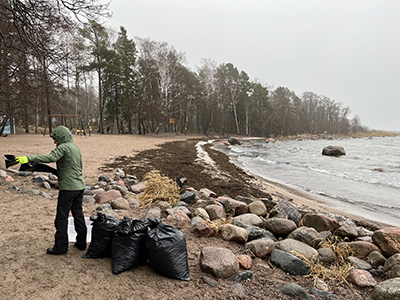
(68,158)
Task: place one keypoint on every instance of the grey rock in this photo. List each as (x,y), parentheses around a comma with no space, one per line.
(153,212)
(269,202)
(376,259)
(359,263)
(131,181)
(195,220)
(280,227)
(246,200)
(289,263)
(255,232)
(243,276)
(138,188)
(347,230)
(362,231)
(106,209)
(202,213)
(179,203)
(249,219)
(120,204)
(234,206)
(46,185)
(333,151)
(184,209)
(206,193)
(286,210)
(392,266)
(327,255)
(39,179)
(88,199)
(188,197)
(387,290)
(209,281)
(46,195)
(306,235)
(32,192)
(234,141)
(290,245)
(104,178)
(238,290)
(258,208)
(123,189)
(294,290)
(133,203)
(325,294)
(378,273)
(163,205)
(94,192)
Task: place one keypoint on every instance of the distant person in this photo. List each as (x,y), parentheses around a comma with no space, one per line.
(68,158)
(90,130)
(108,129)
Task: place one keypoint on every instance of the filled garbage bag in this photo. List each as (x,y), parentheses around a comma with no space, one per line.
(129,245)
(103,228)
(10,160)
(167,251)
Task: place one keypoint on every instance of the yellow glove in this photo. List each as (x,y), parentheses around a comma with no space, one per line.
(22,159)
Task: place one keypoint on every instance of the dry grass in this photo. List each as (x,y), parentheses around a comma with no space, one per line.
(335,273)
(158,188)
(218,223)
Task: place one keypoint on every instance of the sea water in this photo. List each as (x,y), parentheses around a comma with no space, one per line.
(364,182)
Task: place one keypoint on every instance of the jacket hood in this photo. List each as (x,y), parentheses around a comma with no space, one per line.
(61,134)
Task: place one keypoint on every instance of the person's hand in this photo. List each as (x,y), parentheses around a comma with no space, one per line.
(22,159)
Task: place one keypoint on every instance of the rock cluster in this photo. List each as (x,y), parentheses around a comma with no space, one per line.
(267,229)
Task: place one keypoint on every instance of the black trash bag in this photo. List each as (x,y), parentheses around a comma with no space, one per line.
(10,160)
(129,245)
(103,228)
(167,251)
(36,167)
(32,167)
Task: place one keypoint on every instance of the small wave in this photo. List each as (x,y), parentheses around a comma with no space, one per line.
(332,173)
(265,160)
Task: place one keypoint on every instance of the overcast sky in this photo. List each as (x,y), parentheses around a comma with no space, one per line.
(347,50)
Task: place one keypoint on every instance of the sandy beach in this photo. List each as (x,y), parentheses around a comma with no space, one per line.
(27,228)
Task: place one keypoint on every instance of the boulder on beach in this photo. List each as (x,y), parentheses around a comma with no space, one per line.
(333,151)
(388,240)
(220,262)
(234,141)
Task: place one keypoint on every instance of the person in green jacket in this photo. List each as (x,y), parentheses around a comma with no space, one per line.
(68,158)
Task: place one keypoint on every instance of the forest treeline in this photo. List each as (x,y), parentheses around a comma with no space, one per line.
(56,58)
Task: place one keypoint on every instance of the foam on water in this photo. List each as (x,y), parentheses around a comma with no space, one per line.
(367,176)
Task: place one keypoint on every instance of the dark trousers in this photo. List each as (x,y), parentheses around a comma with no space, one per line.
(69,201)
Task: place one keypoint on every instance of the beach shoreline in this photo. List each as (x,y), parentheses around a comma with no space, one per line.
(27,226)
(114,146)
(308,201)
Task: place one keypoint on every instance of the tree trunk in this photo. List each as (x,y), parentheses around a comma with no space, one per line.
(47,94)
(101,127)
